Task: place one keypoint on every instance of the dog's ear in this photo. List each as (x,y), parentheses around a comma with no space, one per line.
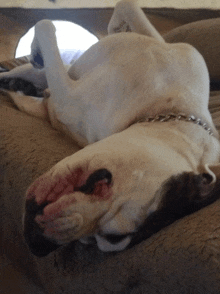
(181,195)
(129,17)
(212,170)
(189,192)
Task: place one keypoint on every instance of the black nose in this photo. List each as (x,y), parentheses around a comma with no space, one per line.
(93,179)
(38,244)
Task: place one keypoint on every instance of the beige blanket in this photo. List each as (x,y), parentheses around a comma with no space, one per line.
(182,258)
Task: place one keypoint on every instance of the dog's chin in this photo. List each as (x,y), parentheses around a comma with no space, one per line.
(41,244)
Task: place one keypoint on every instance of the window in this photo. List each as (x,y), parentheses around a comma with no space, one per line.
(72,41)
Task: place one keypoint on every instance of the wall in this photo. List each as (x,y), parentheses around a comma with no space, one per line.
(15,22)
(108,3)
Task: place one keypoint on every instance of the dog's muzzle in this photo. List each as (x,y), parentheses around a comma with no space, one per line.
(34,234)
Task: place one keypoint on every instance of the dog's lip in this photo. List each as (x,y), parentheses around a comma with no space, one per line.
(107,246)
(114,238)
(108,242)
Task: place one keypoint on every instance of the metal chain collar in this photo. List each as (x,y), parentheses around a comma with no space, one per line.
(178,117)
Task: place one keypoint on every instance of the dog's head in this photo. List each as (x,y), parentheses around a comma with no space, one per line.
(114,192)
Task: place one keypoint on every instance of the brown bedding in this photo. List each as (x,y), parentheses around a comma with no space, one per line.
(182,258)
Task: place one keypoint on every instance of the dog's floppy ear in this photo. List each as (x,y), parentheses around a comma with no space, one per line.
(188,192)
(128,17)
(212,170)
(181,195)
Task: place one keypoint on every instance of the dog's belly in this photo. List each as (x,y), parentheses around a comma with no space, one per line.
(112,89)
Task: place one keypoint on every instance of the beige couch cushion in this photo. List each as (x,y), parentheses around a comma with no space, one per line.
(204,35)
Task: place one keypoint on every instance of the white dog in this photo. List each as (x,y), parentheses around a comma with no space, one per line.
(143,104)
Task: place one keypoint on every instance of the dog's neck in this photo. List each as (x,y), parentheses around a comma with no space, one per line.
(178,117)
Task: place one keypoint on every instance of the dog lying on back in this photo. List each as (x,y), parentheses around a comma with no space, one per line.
(139,106)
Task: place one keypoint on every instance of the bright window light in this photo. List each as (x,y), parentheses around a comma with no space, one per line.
(72,41)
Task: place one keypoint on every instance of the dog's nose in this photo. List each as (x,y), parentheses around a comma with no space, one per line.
(95,180)
(38,244)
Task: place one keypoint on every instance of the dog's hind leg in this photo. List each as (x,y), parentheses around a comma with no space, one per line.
(128,16)
(46,52)
(66,109)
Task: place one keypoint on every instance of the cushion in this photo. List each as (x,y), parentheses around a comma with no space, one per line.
(204,35)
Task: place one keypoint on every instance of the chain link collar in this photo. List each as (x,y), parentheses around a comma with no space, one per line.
(178,117)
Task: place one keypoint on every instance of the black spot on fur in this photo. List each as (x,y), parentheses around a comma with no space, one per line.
(37,59)
(18,84)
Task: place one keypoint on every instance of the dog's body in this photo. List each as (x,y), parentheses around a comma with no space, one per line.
(113,185)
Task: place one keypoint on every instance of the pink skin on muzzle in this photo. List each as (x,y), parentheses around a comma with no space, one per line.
(59,192)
